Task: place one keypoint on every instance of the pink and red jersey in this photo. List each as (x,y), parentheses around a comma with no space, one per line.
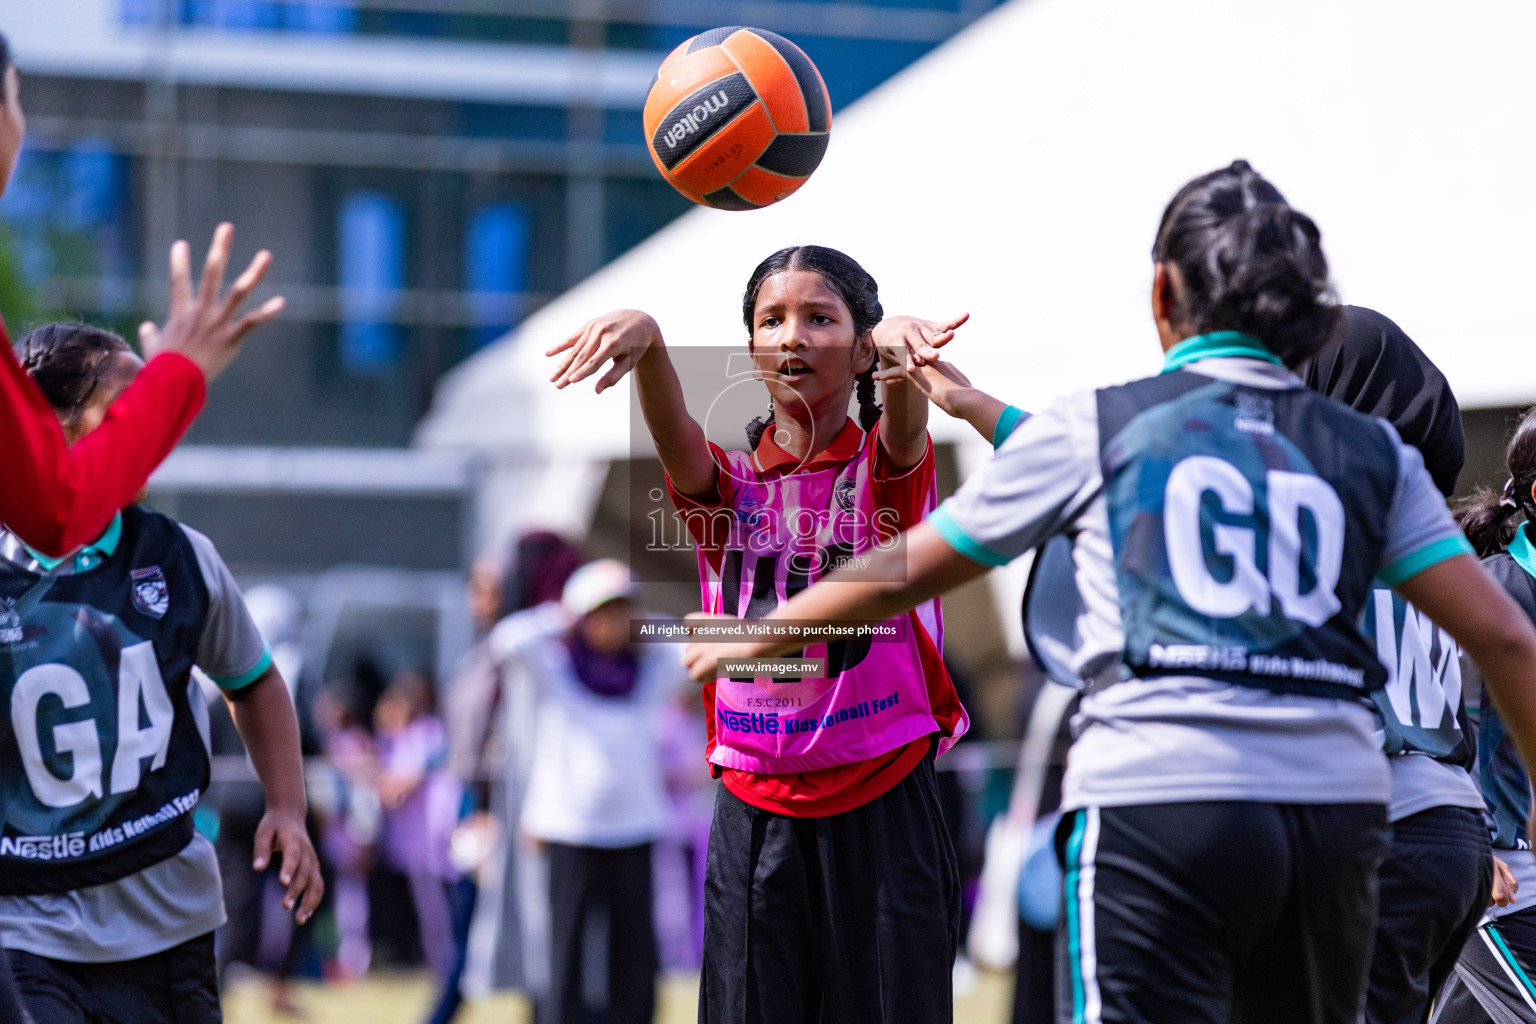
(812,747)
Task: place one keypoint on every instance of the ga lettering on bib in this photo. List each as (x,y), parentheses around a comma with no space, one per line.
(101,760)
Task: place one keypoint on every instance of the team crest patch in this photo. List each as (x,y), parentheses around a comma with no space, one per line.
(844,494)
(11,631)
(151,594)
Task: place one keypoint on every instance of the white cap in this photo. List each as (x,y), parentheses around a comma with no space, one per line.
(595,584)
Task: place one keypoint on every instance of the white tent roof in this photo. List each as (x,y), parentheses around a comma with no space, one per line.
(1019,172)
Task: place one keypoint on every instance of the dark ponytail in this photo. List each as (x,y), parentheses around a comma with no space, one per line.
(68,361)
(1247,262)
(1489,519)
(859,293)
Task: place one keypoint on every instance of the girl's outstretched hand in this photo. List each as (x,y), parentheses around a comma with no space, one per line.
(909,342)
(622,336)
(200,325)
(940,381)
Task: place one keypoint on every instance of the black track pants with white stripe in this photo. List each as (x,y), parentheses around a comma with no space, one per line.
(1493,982)
(1220,911)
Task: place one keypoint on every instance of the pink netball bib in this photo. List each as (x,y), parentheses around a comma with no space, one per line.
(784,534)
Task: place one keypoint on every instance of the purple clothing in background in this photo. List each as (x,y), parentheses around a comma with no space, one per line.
(416,834)
(607,675)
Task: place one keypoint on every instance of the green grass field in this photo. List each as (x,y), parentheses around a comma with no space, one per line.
(405,999)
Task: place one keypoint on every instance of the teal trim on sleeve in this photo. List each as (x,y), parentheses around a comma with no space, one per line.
(1410,565)
(247,677)
(961,541)
(1005,424)
(1522,552)
(1217,345)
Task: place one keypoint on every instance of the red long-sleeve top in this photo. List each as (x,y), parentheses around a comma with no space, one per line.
(56,496)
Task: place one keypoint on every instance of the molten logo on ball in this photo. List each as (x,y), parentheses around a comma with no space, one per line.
(695,118)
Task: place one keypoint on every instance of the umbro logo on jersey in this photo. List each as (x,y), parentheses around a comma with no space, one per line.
(151,595)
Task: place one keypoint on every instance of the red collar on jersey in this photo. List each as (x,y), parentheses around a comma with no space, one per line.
(848,443)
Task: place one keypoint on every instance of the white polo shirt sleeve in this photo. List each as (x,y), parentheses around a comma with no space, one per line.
(232,650)
(1040,478)
(1421,532)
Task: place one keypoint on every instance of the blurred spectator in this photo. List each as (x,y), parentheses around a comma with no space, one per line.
(421,800)
(596,798)
(681,851)
(350,829)
(490,715)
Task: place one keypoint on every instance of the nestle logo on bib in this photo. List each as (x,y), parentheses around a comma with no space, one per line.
(43,847)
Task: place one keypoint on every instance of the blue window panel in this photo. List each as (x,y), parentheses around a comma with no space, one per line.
(95,179)
(66,210)
(496,268)
(326,17)
(372,268)
(233,14)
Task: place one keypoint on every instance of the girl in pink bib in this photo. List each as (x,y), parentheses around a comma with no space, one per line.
(833,769)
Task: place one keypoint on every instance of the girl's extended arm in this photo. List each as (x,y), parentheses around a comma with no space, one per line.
(942,383)
(1464,601)
(264,715)
(632,341)
(904,342)
(894,581)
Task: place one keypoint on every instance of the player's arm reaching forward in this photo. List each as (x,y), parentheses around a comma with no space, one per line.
(942,383)
(631,341)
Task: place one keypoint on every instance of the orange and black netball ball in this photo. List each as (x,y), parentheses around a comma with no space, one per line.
(737,118)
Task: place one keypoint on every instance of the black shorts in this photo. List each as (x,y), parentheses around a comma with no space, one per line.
(10,1004)
(1202,913)
(177,986)
(848,919)
(1434,888)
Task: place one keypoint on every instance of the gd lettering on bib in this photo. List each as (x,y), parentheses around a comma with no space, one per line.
(1247,525)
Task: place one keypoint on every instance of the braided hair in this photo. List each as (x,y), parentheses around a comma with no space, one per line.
(859,293)
(1489,519)
(69,362)
(1248,262)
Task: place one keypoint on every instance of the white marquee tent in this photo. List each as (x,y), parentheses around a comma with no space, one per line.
(1019,172)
